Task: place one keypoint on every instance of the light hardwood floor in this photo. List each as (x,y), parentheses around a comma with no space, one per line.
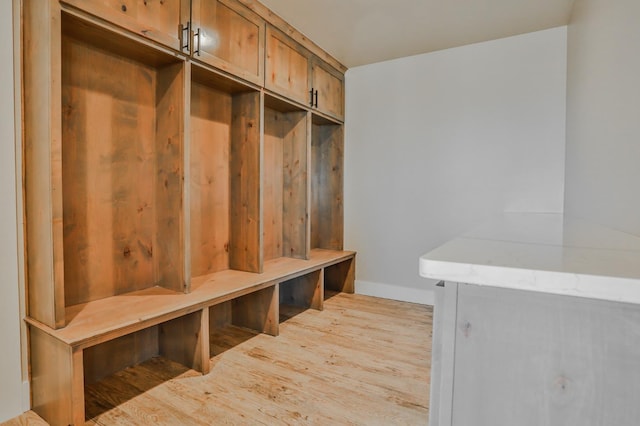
(361,361)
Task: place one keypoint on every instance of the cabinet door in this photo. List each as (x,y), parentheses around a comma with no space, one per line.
(287,67)
(230,37)
(329,84)
(158,20)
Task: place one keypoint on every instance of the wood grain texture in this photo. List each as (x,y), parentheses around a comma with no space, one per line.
(296,35)
(54,379)
(330,86)
(186,340)
(272,186)
(101,320)
(42,156)
(30,418)
(286,67)
(157,20)
(231,38)
(114,213)
(245,241)
(341,276)
(295,208)
(285,184)
(327,175)
(538,359)
(361,361)
(110,357)
(168,238)
(210,179)
(306,291)
(258,311)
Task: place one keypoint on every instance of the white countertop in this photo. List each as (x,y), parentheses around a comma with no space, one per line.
(547,253)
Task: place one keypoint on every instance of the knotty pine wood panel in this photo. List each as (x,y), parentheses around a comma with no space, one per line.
(286,67)
(110,357)
(285,183)
(295,199)
(168,237)
(56,379)
(231,38)
(327,209)
(330,86)
(158,20)
(245,241)
(186,340)
(279,23)
(306,291)
(257,311)
(101,320)
(210,179)
(341,276)
(42,153)
(122,174)
(273,184)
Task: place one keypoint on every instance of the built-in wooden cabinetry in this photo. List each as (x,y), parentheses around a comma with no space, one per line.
(294,72)
(183,167)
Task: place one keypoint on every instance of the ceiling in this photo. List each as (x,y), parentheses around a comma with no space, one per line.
(359,32)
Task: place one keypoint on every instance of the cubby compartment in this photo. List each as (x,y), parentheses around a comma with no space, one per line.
(301,293)
(285,184)
(121,165)
(107,372)
(237,320)
(74,381)
(340,278)
(327,142)
(224,174)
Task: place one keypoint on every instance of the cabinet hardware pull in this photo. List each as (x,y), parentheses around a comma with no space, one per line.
(184,39)
(311,94)
(197,37)
(316,95)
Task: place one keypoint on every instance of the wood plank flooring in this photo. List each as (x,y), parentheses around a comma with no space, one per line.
(361,361)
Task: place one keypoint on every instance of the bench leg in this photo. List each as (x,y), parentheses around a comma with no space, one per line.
(57,380)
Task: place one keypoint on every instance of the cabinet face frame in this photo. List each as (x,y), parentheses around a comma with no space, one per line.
(220,44)
(137,16)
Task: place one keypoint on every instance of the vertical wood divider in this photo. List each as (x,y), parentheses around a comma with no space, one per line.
(186,178)
(42,176)
(317,301)
(308,184)
(245,239)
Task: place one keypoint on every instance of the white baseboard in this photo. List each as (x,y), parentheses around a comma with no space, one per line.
(26,396)
(423,296)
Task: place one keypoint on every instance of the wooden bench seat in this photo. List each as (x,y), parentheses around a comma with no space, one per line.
(182,322)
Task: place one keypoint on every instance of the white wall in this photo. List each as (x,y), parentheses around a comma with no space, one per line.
(10,365)
(603,113)
(439,142)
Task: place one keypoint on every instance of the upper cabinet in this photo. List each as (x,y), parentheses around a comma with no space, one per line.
(158,20)
(327,87)
(228,36)
(292,71)
(287,67)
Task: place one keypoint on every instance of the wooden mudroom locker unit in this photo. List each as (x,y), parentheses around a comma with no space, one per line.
(183,171)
